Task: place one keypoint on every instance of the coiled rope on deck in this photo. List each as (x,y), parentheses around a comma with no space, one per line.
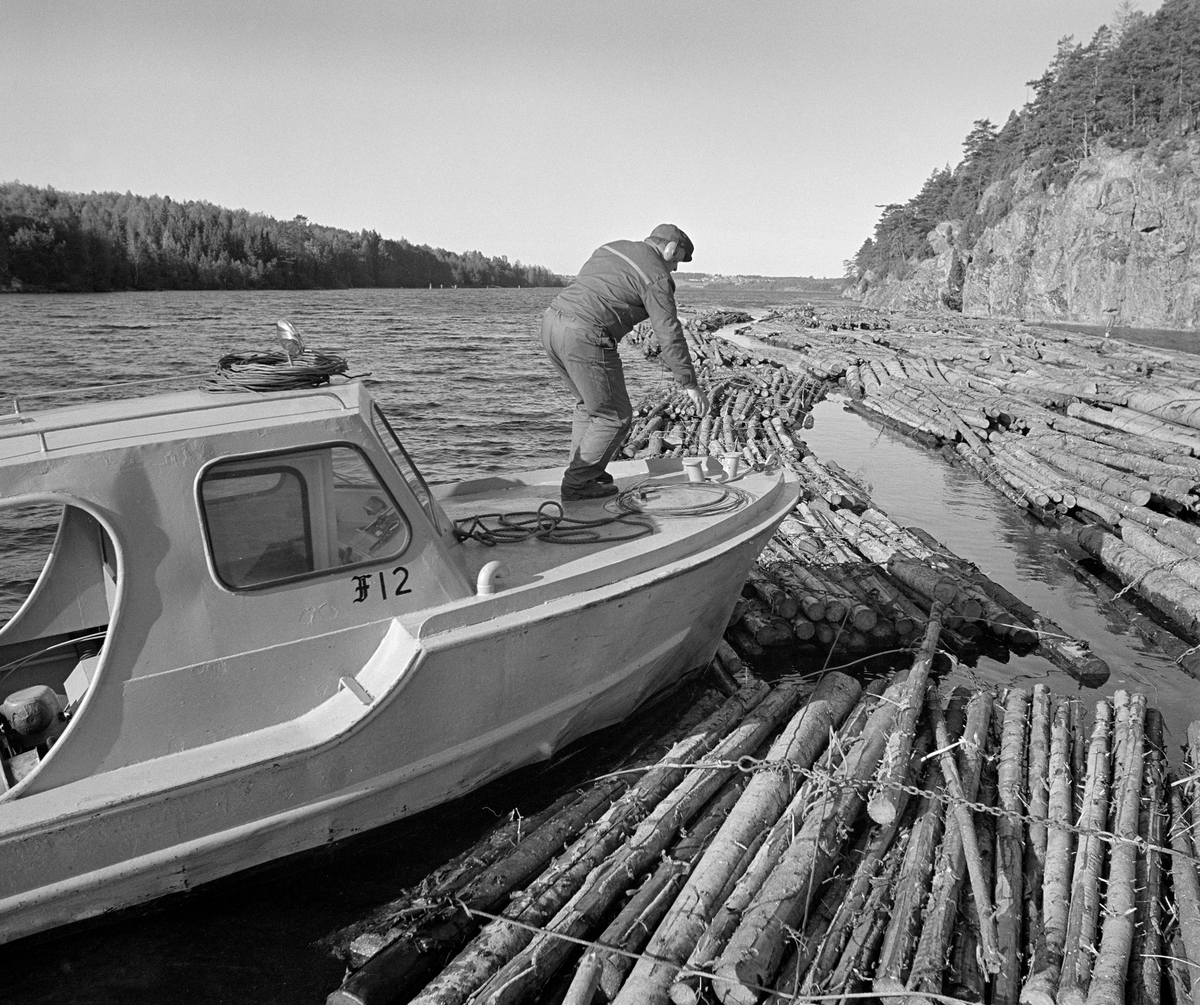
(546,525)
(636,505)
(275,371)
(710,499)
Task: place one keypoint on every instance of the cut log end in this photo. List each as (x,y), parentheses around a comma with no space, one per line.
(882,808)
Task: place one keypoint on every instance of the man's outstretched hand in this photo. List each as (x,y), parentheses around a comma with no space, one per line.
(698,398)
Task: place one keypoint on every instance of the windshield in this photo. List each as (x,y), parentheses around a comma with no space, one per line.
(408,470)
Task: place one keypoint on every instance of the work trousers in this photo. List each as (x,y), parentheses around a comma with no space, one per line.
(587,360)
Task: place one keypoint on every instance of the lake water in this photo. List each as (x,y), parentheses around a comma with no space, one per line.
(462,375)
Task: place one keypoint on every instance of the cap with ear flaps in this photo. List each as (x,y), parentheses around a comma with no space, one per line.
(669,232)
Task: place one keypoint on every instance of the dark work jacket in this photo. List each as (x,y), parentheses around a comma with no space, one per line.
(613,295)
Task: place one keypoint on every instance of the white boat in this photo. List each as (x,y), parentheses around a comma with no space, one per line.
(257,632)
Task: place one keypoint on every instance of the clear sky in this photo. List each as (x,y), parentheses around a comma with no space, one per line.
(770,130)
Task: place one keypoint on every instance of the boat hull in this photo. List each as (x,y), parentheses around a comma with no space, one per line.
(538,679)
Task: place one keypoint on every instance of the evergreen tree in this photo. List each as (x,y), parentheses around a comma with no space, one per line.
(106,241)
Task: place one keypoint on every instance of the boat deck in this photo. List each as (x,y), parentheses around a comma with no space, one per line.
(654,494)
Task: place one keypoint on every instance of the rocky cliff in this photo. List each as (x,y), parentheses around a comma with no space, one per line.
(1119,241)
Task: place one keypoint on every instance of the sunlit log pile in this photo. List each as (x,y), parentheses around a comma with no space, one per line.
(823,839)
(757,405)
(1072,428)
(839,572)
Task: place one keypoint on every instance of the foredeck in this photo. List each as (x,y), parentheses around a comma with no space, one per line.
(595,533)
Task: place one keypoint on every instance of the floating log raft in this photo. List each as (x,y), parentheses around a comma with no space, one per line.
(1068,427)
(808,839)
(731,887)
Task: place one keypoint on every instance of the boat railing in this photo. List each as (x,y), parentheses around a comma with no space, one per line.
(89,392)
(12,423)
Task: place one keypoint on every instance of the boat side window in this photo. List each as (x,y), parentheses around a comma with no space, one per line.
(291,516)
(408,470)
(28,532)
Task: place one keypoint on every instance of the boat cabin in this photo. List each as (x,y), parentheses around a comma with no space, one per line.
(227,558)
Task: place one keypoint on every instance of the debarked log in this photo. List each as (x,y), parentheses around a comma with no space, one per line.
(758,809)
(686,989)
(630,929)
(754,953)
(499,941)
(529,960)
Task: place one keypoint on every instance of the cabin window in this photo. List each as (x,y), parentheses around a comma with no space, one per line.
(285,517)
(408,470)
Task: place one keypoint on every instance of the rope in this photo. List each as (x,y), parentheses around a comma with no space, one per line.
(275,371)
(546,525)
(722,499)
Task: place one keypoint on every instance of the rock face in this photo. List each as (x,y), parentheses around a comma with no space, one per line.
(930,284)
(1119,242)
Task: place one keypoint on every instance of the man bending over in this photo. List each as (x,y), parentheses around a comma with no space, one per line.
(622,284)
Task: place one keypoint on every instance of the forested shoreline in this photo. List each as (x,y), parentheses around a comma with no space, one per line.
(1135,84)
(53,241)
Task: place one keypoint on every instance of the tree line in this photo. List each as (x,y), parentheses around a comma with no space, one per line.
(1136,82)
(71,242)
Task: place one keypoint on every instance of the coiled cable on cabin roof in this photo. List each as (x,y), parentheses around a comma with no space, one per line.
(275,371)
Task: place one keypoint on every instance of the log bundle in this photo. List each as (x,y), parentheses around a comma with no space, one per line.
(839,573)
(828,839)
(1074,429)
(820,838)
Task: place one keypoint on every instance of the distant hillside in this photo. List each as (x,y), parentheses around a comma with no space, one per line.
(795,284)
(65,241)
(1082,207)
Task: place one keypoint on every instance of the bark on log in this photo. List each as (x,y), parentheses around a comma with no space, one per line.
(1120,914)
(685,991)
(754,952)
(912,885)
(959,849)
(537,959)
(402,967)
(851,969)
(780,603)
(631,928)
(1164,556)
(1040,719)
(1085,894)
(1165,591)
(1186,888)
(842,928)
(926,581)
(887,797)
(658,795)
(1134,422)
(1010,848)
(1146,978)
(758,809)
(766,628)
